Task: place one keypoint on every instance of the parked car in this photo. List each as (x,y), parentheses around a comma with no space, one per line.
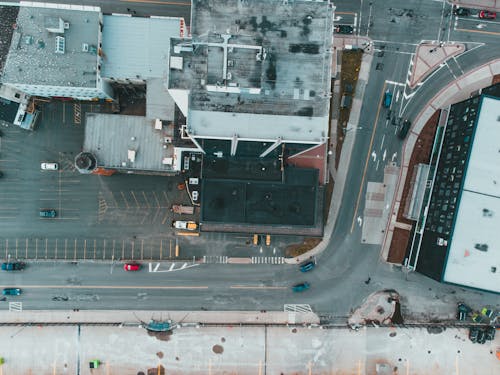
(487,312)
(490,333)
(481,336)
(49,166)
(12,266)
(344,29)
(486,14)
(11,291)
(307,266)
(473,334)
(477,318)
(132,267)
(301,287)
(464,12)
(187,225)
(47,212)
(463,311)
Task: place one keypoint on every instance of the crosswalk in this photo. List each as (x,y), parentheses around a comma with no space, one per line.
(221,259)
(268,260)
(214,259)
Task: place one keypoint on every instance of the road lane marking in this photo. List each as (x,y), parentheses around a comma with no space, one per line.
(158,287)
(368,156)
(257,287)
(187,4)
(478,31)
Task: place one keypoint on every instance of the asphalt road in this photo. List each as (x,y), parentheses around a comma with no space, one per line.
(348,271)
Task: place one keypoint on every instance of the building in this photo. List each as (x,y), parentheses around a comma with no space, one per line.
(254,83)
(455,239)
(56,52)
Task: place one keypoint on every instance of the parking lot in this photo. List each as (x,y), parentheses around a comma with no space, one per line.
(98,217)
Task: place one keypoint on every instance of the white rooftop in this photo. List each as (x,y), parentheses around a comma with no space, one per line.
(251,126)
(137,47)
(474,251)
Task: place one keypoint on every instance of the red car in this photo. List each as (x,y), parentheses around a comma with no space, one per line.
(487,14)
(131,267)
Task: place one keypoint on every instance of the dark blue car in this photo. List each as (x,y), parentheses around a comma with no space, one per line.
(308,266)
(11,291)
(300,287)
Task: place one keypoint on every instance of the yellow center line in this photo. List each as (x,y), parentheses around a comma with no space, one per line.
(368,157)
(103,287)
(478,31)
(186,4)
(256,287)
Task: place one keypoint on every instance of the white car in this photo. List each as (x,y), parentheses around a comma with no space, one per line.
(49,166)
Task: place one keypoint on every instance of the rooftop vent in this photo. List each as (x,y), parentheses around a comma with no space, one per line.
(85,47)
(28,39)
(66,25)
(60,44)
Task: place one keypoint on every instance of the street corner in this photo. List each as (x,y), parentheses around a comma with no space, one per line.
(378,308)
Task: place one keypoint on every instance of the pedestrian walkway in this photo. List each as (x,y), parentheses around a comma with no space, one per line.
(243,351)
(217,259)
(429,56)
(268,260)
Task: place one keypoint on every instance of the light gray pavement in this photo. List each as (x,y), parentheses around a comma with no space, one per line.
(181,317)
(428,56)
(243,350)
(454,92)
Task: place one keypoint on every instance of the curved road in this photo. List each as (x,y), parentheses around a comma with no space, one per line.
(348,270)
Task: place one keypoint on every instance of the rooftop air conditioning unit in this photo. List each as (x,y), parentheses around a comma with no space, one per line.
(229,76)
(85,47)
(66,25)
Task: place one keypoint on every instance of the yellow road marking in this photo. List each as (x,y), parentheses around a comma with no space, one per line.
(478,31)
(368,156)
(345,13)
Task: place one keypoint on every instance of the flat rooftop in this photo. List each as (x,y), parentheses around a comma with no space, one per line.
(111,138)
(38,55)
(292,202)
(250,62)
(137,47)
(474,254)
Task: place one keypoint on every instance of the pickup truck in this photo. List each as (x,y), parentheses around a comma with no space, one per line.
(186,225)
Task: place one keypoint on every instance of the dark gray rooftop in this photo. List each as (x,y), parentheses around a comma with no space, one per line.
(32,57)
(266,57)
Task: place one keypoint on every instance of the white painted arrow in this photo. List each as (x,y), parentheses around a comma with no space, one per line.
(374,155)
(394,156)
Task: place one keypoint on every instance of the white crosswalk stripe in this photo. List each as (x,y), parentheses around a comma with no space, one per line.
(221,259)
(268,260)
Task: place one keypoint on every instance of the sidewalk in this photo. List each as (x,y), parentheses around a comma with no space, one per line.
(454,92)
(181,317)
(243,350)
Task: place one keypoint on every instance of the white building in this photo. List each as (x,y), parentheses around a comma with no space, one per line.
(56,52)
